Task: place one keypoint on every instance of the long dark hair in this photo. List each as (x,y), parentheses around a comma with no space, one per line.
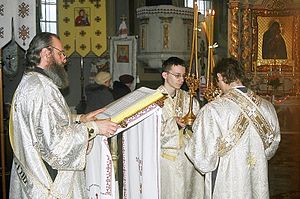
(40,41)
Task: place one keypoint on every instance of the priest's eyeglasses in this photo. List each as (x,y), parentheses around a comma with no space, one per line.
(177,76)
(60,52)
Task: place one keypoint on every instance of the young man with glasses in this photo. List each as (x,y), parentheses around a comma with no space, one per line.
(49,143)
(179,179)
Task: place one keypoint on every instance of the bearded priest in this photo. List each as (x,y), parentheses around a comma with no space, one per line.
(49,143)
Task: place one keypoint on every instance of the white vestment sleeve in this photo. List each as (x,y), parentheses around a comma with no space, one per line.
(270,151)
(205,130)
(64,147)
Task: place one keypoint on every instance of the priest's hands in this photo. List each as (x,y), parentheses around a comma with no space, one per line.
(90,116)
(106,127)
(101,126)
(180,122)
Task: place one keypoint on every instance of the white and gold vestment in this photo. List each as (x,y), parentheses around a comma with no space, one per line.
(179,178)
(234,137)
(43,130)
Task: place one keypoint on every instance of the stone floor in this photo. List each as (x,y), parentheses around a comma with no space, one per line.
(284,168)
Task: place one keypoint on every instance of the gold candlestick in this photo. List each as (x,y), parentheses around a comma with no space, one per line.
(192,79)
(210,36)
(211,92)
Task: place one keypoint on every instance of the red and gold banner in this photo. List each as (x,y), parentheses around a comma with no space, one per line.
(82,26)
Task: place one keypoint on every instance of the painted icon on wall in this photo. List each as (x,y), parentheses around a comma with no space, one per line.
(273,46)
(123,53)
(82,17)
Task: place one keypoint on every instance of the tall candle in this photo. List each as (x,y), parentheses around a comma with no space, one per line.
(210,35)
(196,39)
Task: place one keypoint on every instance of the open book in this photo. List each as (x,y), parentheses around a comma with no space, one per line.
(130,104)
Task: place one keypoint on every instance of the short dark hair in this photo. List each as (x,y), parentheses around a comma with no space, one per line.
(40,41)
(167,64)
(230,69)
(126,78)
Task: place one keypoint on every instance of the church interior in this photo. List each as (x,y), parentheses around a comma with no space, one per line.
(136,36)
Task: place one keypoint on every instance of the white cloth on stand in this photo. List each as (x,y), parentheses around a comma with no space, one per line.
(141,160)
(141,165)
(100,178)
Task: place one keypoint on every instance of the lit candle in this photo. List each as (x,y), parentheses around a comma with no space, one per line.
(210,36)
(196,40)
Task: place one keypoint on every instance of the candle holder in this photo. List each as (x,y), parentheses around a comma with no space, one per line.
(211,92)
(192,78)
(193,84)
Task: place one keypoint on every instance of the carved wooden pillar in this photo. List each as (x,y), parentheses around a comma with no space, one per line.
(233,30)
(246,38)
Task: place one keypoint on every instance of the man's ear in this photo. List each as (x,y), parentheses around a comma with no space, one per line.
(219,77)
(45,52)
(164,74)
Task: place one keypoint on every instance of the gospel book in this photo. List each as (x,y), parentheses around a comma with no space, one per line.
(130,104)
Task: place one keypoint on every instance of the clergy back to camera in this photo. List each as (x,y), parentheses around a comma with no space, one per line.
(234,137)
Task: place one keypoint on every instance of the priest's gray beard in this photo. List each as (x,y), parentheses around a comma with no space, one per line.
(58,74)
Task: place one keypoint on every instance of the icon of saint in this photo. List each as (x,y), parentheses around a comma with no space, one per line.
(273,46)
(82,19)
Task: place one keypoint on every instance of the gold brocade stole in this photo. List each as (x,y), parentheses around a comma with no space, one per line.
(178,105)
(225,144)
(251,111)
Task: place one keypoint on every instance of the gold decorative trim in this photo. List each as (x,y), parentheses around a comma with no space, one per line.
(291,19)
(251,160)
(276,4)
(166,30)
(246,34)
(143,36)
(251,111)
(234,32)
(166,19)
(166,36)
(225,144)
